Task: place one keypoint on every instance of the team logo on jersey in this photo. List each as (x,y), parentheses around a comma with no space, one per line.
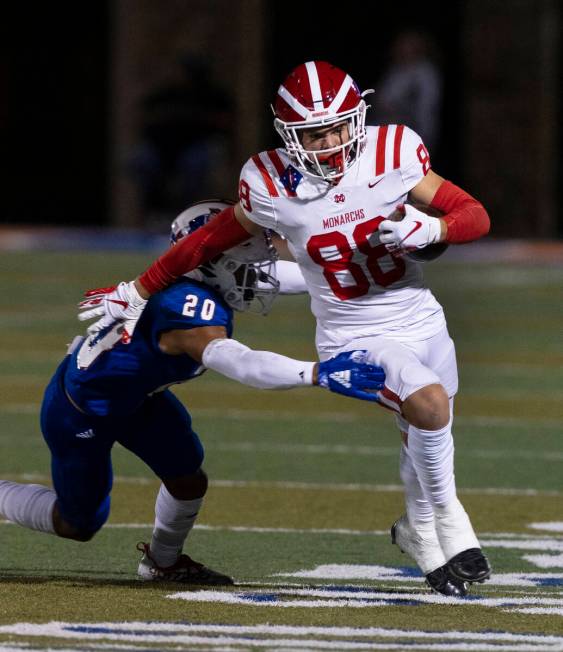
(291,178)
(339,198)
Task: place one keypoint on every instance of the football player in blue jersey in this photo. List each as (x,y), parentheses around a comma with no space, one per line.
(97,398)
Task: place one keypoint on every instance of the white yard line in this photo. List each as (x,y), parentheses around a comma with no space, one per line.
(282,637)
(375,451)
(339,417)
(488,539)
(306,486)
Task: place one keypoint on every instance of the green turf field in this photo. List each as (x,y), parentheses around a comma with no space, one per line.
(304,486)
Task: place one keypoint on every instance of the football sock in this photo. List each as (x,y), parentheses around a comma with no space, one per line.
(30,505)
(419,510)
(174,520)
(423,543)
(454,529)
(432,454)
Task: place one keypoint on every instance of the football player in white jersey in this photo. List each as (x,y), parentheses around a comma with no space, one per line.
(329,192)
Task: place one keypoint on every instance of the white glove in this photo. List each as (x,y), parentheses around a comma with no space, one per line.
(415,231)
(117,306)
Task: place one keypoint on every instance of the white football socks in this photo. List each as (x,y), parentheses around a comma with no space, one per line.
(30,505)
(419,539)
(174,520)
(454,529)
(432,454)
(419,510)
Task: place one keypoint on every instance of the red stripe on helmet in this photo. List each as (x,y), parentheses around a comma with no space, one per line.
(331,79)
(270,185)
(300,86)
(380,150)
(285,112)
(351,100)
(397,146)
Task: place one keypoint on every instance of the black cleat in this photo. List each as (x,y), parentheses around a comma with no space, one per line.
(441,581)
(470,565)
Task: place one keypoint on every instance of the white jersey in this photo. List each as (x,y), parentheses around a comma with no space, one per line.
(357,288)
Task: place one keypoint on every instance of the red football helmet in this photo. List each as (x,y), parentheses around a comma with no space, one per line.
(317,94)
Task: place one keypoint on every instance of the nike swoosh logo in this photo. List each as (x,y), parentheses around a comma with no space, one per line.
(372,185)
(415,228)
(123,304)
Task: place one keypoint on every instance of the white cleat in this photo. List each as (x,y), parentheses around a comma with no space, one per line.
(426,551)
(423,547)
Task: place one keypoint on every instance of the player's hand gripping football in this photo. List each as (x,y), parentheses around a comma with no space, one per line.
(349,374)
(118,308)
(408,229)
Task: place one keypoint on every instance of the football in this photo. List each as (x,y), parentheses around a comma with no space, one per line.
(431,251)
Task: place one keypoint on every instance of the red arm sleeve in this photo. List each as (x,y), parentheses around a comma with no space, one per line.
(219,234)
(465,217)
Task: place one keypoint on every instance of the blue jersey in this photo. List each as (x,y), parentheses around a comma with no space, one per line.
(119,380)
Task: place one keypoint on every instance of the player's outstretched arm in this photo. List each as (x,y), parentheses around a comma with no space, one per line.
(348,373)
(227,229)
(118,308)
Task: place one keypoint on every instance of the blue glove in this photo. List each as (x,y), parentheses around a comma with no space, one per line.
(349,374)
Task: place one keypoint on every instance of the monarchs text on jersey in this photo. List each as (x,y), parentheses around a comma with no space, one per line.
(357,288)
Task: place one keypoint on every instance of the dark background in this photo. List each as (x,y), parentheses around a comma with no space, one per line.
(362,50)
(58,102)
(54,115)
